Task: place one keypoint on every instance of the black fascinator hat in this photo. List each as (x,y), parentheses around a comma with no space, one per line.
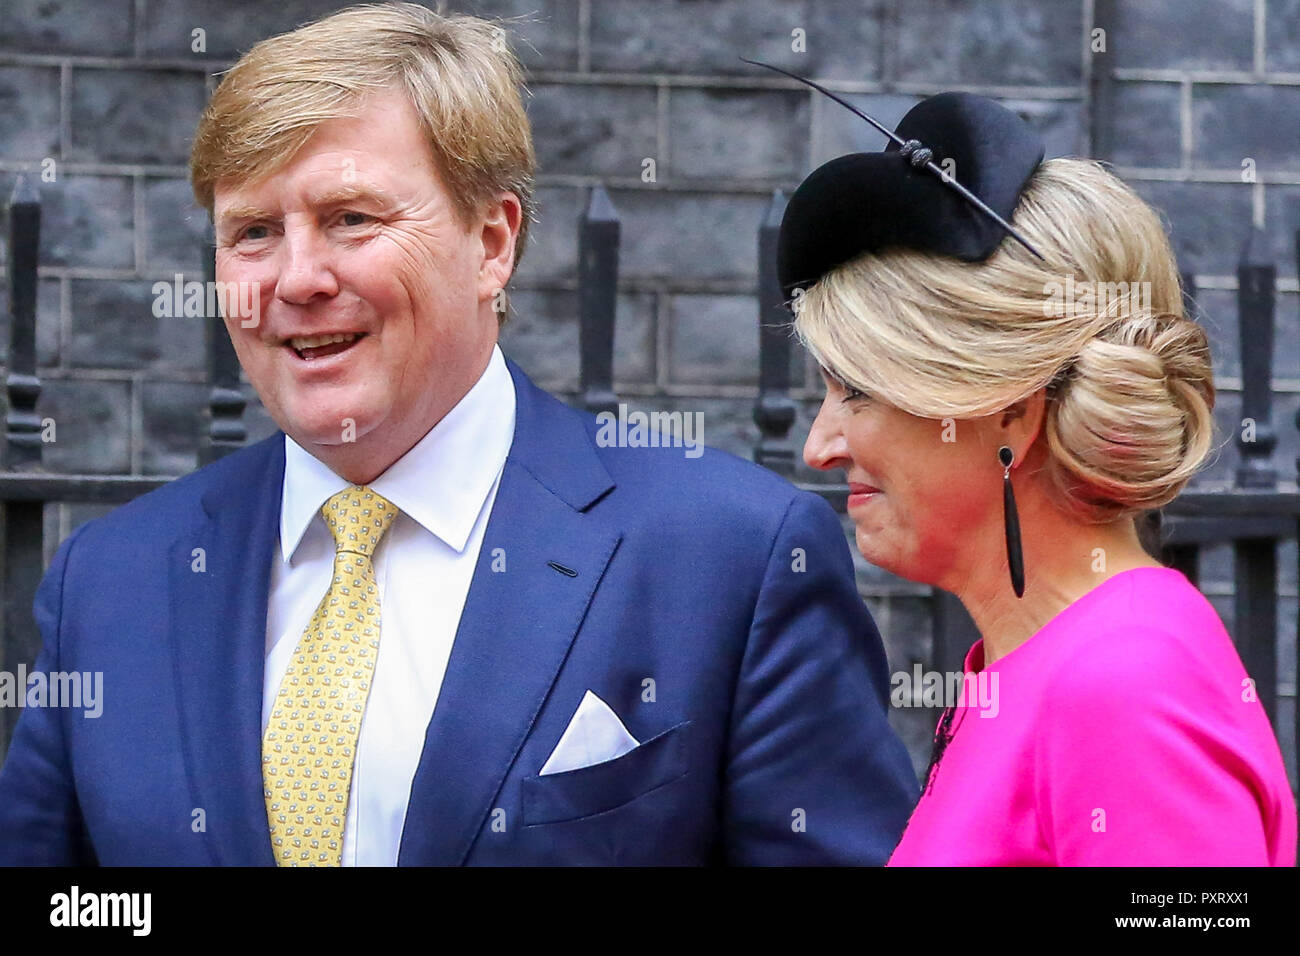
(946,183)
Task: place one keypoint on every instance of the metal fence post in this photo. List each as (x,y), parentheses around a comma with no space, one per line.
(226,431)
(1255,559)
(22,552)
(598,239)
(1185,557)
(774,412)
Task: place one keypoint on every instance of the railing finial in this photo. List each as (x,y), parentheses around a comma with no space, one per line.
(1256,282)
(598,241)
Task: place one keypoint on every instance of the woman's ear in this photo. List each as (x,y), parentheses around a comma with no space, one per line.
(1020,423)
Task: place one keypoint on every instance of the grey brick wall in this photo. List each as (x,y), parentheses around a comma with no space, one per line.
(110,91)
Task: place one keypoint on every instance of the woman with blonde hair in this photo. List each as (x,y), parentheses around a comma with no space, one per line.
(1011,380)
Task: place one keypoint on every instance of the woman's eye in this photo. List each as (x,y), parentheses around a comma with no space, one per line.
(835,383)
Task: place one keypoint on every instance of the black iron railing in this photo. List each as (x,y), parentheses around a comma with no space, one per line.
(25,486)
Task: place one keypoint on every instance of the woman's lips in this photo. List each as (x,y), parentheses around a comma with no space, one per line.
(860,494)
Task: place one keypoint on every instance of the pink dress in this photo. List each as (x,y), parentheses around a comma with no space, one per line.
(1124,732)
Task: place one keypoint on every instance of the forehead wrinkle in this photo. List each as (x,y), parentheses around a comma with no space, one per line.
(351,193)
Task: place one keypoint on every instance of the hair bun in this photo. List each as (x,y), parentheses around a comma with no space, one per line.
(1132,421)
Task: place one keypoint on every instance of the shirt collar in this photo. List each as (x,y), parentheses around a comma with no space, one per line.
(442,482)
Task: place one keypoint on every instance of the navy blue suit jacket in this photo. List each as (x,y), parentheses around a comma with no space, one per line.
(765,739)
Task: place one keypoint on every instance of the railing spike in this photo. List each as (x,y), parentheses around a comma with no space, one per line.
(599,233)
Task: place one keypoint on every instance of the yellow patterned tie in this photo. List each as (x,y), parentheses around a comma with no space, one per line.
(311,740)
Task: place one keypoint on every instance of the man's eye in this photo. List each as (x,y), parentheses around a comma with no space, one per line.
(354,218)
(252,232)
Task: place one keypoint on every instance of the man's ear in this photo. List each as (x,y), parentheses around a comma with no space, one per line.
(500,232)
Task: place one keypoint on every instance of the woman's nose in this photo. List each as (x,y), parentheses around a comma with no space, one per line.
(825,447)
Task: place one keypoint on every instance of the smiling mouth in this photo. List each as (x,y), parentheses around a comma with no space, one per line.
(310,347)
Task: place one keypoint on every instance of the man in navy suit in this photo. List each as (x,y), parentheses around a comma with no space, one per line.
(589,653)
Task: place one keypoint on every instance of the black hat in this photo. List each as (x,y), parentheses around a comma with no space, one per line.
(947,183)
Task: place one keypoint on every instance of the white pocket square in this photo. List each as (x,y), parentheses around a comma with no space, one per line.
(594,735)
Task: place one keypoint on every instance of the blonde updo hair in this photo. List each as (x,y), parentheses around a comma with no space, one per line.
(1130,387)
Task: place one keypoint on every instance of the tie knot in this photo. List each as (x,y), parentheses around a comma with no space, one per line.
(358,518)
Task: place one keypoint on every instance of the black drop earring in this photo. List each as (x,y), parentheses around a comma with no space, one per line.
(1015,558)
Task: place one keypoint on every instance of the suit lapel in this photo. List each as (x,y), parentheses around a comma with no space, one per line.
(218,635)
(516,628)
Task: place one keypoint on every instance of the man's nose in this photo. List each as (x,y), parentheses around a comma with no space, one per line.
(825,447)
(306,269)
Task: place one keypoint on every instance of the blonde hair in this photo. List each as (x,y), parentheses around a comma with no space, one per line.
(1130,386)
(457,71)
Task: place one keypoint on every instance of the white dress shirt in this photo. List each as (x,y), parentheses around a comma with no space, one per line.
(444,487)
